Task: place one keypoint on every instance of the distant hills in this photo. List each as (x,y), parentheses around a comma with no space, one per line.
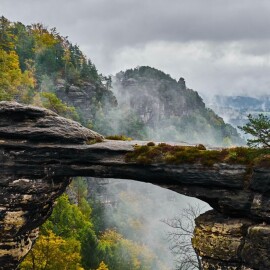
(244,103)
(235,109)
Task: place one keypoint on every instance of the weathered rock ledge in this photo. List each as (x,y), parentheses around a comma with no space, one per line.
(40,151)
(231,243)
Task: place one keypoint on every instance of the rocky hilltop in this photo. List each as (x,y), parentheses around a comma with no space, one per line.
(154,95)
(169,109)
(40,151)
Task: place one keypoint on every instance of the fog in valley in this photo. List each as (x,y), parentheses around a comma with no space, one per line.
(140,209)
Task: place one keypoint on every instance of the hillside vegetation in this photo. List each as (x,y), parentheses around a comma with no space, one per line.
(39,65)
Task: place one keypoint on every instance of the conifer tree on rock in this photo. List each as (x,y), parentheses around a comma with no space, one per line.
(259,128)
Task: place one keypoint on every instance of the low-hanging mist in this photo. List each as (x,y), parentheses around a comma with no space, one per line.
(153,106)
(137,210)
(235,109)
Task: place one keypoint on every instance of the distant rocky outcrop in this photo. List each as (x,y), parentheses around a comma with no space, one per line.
(40,151)
(235,109)
(154,95)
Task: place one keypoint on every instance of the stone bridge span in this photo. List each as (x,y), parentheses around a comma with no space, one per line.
(40,152)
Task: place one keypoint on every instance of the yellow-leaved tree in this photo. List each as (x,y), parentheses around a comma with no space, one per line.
(13,82)
(121,253)
(103,266)
(52,252)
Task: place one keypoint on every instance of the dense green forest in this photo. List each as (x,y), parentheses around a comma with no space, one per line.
(38,66)
(76,237)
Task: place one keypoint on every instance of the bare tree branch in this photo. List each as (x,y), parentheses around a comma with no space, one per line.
(180,238)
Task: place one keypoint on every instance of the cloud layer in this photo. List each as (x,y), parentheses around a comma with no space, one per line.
(218,46)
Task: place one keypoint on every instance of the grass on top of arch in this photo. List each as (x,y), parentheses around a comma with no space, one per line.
(169,154)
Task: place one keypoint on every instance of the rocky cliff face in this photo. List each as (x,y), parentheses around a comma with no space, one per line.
(40,151)
(170,109)
(156,96)
(87,98)
(26,199)
(231,243)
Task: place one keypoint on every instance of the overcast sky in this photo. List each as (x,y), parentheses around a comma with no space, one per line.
(218,46)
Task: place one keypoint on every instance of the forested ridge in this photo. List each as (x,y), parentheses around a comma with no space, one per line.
(35,60)
(39,66)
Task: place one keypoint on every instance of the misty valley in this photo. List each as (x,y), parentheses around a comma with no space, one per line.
(131,171)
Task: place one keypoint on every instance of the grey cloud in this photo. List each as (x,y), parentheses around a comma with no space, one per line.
(216,45)
(125,22)
(128,24)
(208,67)
(256,48)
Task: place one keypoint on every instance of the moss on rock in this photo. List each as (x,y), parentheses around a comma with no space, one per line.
(118,138)
(165,153)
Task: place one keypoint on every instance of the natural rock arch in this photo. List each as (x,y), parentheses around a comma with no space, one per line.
(40,151)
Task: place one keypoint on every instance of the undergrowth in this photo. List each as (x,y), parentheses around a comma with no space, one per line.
(165,153)
(118,138)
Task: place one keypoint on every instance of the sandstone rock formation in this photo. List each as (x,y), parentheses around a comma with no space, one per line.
(40,151)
